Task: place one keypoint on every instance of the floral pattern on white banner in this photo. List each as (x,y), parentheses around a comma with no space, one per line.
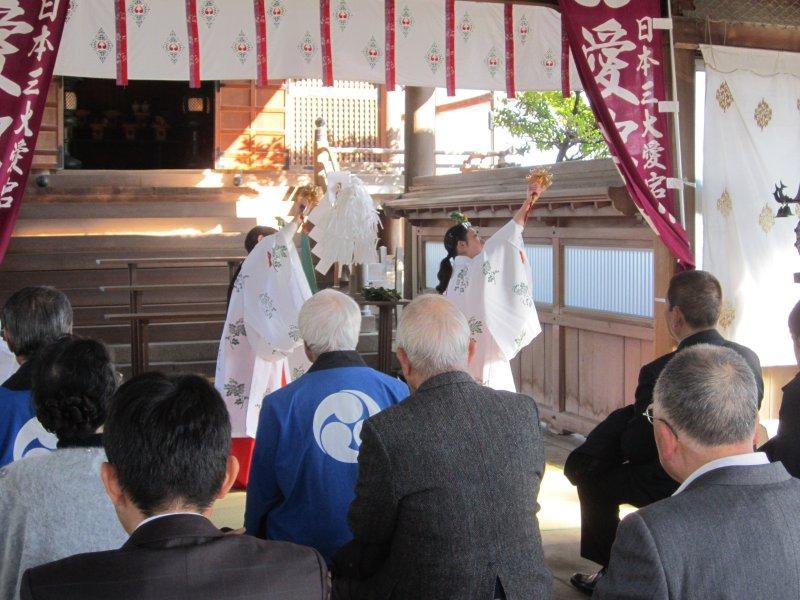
(537,55)
(293,41)
(419,42)
(228,48)
(752,129)
(358,47)
(159,49)
(358,42)
(480,49)
(76,57)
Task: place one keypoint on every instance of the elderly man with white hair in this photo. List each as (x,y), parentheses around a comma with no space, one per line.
(305,459)
(448,480)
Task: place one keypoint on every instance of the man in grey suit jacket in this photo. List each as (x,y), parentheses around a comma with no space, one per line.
(446,497)
(731,528)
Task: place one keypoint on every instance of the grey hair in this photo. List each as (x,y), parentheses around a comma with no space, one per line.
(35,316)
(435,335)
(710,394)
(329,321)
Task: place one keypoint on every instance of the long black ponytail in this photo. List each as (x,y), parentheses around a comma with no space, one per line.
(457,233)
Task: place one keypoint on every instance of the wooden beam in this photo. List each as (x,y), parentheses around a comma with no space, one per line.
(545,3)
(466,103)
(685,78)
(690,33)
(664,269)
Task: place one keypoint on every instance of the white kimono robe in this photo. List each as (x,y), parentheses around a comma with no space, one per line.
(261,350)
(495,292)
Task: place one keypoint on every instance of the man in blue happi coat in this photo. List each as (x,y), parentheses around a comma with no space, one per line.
(305,462)
(32,318)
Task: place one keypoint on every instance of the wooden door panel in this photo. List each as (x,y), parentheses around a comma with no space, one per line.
(250,126)
(535,377)
(51,133)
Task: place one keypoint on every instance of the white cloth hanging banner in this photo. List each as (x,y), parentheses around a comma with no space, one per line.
(752,145)
(88,45)
(156,44)
(538,50)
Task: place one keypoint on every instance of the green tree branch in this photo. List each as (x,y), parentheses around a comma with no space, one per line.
(547,121)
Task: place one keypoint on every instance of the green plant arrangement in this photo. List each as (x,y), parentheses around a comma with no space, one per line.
(380,294)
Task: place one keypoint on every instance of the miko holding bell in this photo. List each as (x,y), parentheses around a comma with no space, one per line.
(492,283)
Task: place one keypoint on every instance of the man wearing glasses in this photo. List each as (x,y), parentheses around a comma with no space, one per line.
(618,463)
(708,539)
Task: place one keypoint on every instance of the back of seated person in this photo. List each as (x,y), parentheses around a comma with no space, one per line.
(168,441)
(785,446)
(32,318)
(303,475)
(618,463)
(54,505)
(730,531)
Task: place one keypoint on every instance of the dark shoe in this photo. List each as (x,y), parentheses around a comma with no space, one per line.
(587,582)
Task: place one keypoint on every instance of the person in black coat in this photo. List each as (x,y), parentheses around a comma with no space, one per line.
(785,446)
(618,463)
(168,440)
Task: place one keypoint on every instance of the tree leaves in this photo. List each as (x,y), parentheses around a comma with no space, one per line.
(547,121)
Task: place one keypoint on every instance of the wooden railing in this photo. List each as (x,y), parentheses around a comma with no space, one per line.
(332,157)
(140,320)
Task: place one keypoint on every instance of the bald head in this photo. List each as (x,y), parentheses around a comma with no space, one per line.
(434,335)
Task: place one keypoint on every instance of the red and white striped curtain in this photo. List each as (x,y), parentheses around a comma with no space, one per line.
(440,43)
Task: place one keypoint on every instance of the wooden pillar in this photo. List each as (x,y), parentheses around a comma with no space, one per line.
(420,160)
(685,76)
(320,148)
(420,133)
(663,270)
(391,233)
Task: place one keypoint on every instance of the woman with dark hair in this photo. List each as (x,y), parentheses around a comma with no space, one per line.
(785,446)
(255,235)
(492,284)
(54,505)
(458,240)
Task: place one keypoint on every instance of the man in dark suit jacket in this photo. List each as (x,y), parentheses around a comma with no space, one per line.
(446,498)
(168,445)
(618,463)
(730,530)
(785,446)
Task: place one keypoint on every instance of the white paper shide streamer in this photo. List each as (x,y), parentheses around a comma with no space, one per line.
(345,224)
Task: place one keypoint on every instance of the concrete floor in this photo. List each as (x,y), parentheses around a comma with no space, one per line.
(559,518)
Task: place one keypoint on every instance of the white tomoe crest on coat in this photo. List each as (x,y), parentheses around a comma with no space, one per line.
(338,421)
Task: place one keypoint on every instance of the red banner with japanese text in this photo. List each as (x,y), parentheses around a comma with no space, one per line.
(619,56)
(30,33)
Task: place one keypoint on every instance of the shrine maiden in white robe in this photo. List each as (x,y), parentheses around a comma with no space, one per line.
(261,350)
(495,292)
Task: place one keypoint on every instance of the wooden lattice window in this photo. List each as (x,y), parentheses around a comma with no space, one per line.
(350,109)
